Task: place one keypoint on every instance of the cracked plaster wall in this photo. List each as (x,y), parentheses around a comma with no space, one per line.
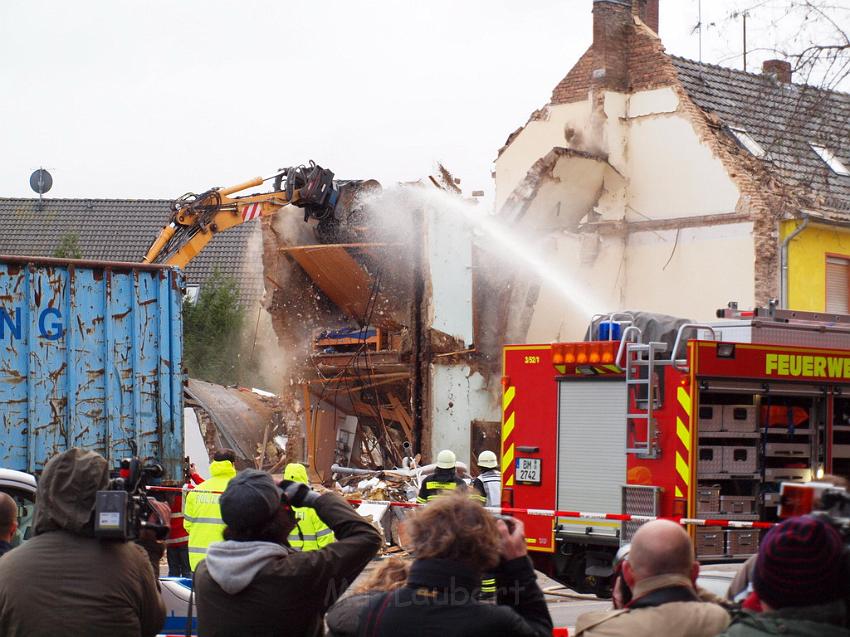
(459,396)
(665,171)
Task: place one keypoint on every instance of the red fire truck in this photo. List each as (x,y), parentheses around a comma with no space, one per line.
(706,427)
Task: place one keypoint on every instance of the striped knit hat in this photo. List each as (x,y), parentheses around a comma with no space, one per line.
(800,563)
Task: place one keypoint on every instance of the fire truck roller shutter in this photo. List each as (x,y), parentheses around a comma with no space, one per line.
(591,451)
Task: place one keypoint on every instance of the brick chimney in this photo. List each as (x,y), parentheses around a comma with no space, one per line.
(778,69)
(612,20)
(647,11)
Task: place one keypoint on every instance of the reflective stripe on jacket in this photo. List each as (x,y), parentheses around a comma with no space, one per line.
(202,513)
(489,486)
(441,480)
(310,533)
(177,535)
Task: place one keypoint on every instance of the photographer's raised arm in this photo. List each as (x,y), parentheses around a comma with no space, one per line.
(516,584)
(329,570)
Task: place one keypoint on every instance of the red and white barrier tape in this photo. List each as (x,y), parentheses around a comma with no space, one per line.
(551,513)
(619,517)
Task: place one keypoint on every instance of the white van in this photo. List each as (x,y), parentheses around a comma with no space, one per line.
(22,487)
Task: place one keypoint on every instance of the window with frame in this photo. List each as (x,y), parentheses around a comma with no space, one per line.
(831,159)
(748,141)
(837,285)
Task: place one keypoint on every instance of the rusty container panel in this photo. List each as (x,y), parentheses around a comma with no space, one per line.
(90,356)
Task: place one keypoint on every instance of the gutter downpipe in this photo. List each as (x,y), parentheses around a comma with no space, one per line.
(784,260)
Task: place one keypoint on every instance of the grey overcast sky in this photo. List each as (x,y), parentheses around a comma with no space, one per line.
(152,99)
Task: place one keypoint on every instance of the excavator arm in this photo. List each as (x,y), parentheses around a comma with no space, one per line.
(198,218)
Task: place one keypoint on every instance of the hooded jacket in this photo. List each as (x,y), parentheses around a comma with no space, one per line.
(64,581)
(202,512)
(265,589)
(310,533)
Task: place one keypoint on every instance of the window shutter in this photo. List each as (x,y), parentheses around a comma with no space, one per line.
(837,285)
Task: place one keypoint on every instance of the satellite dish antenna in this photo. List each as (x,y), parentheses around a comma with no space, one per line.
(41,181)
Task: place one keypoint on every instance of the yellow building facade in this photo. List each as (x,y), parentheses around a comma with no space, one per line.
(818,253)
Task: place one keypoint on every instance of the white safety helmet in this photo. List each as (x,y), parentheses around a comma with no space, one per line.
(446,459)
(488,460)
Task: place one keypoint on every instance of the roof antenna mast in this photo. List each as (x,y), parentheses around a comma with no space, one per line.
(699,26)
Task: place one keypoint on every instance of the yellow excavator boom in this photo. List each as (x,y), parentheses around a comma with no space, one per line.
(198,218)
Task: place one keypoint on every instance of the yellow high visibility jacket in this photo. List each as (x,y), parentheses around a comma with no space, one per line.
(310,533)
(202,513)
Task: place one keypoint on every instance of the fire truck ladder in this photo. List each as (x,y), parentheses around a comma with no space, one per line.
(641,360)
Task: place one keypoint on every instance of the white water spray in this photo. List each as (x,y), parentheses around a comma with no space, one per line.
(510,245)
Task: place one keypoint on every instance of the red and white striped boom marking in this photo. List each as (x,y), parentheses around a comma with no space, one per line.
(251,211)
(551,513)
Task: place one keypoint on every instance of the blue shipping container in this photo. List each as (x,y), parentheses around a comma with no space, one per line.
(90,356)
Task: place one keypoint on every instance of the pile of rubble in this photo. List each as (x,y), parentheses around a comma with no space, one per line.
(400,484)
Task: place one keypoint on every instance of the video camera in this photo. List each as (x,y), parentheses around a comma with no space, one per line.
(822,499)
(122,511)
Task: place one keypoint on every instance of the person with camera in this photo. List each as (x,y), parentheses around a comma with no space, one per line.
(656,591)
(454,540)
(802,580)
(177,544)
(254,584)
(201,509)
(65,581)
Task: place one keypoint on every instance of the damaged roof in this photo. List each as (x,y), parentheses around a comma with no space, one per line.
(121,230)
(785,119)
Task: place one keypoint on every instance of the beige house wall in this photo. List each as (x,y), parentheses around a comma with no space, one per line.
(692,278)
(658,169)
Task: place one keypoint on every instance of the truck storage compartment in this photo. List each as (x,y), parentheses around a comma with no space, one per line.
(740,542)
(91,357)
(710,417)
(771,499)
(708,499)
(737,504)
(787,474)
(841,451)
(739,418)
(709,459)
(787,450)
(739,460)
(709,541)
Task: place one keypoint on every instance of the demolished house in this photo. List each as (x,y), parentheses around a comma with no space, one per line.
(375,326)
(652,181)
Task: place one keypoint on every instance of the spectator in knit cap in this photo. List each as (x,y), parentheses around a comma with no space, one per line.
(801,578)
(254,584)
(741,587)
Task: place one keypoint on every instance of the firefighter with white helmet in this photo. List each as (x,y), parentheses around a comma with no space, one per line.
(488,484)
(444,478)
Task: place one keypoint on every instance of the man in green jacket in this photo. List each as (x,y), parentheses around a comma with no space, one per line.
(310,533)
(201,510)
(801,579)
